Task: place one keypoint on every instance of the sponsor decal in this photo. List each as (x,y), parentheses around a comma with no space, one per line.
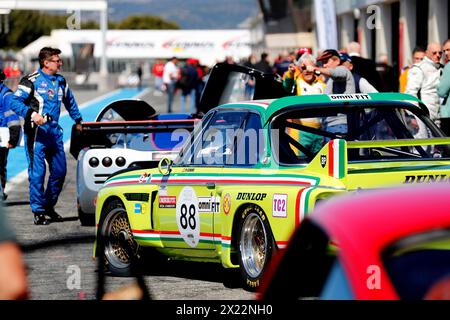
(226,203)
(41,90)
(251,196)
(187,216)
(43,85)
(137,208)
(188,169)
(356,96)
(427,178)
(51,94)
(166,202)
(279,205)
(323,160)
(209,204)
(145,177)
(60,94)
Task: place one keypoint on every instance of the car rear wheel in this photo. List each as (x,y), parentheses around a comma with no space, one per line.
(256,246)
(121,252)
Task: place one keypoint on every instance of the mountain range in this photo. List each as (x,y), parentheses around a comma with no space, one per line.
(188,14)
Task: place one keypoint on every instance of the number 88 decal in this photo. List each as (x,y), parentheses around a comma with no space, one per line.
(184,220)
(187,216)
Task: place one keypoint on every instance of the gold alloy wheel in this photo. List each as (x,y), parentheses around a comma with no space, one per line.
(253,245)
(120,246)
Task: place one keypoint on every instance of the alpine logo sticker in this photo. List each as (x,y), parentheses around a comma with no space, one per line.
(323,160)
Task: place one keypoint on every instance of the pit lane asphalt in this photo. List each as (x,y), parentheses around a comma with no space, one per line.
(56,254)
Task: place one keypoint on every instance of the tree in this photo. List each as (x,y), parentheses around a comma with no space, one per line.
(27,26)
(145,22)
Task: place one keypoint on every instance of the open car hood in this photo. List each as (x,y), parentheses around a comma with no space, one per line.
(128,110)
(227,82)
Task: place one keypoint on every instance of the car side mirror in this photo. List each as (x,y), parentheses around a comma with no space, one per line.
(165,166)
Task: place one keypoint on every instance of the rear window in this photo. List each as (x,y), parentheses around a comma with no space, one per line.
(299,134)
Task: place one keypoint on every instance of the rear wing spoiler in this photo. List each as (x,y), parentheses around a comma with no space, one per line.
(95,133)
(332,159)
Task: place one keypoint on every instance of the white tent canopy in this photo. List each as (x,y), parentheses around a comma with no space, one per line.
(209,46)
(85,5)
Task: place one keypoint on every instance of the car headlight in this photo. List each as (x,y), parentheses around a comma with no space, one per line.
(120,161)
(93,162)
(107,161)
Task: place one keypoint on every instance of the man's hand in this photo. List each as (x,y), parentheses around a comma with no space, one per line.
(291,69)
(78,127)
(38,119)
(10,146)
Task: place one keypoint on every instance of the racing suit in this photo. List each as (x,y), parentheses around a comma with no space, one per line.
(8,119)
(310,141)
(423,80)
(42,93)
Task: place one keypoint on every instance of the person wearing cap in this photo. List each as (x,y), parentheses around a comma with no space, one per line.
(340,79)
(361,84)
(9,120)
(304,81)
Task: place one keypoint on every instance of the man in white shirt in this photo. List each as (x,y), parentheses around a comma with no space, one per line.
(423,80)
(170,77)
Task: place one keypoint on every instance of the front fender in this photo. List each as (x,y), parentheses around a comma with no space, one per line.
(284,208)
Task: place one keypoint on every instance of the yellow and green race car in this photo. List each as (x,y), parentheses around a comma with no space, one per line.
(252,171)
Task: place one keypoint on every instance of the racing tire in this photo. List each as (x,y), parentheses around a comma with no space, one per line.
(255,246)
(121,252)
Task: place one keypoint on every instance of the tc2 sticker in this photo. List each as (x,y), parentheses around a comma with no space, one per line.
(279,205)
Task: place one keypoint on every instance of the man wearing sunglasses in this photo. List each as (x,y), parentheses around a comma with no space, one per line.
(38,100)
(423,80)
(444,91)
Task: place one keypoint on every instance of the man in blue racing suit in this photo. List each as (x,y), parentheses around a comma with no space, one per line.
(9,120)
(38,100)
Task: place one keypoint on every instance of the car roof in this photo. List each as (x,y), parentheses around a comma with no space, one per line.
(269,107)
(364,224)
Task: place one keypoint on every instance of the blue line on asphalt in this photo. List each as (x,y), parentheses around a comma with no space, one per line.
(17,161)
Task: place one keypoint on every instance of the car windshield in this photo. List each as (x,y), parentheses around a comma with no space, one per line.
(228,137)
(163,140)
(299,134)
(419,266)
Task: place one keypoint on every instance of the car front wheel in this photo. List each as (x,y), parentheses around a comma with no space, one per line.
(121,252)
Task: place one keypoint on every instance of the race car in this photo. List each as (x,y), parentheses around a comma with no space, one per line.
(126,134)
(391,244)
(236,193)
